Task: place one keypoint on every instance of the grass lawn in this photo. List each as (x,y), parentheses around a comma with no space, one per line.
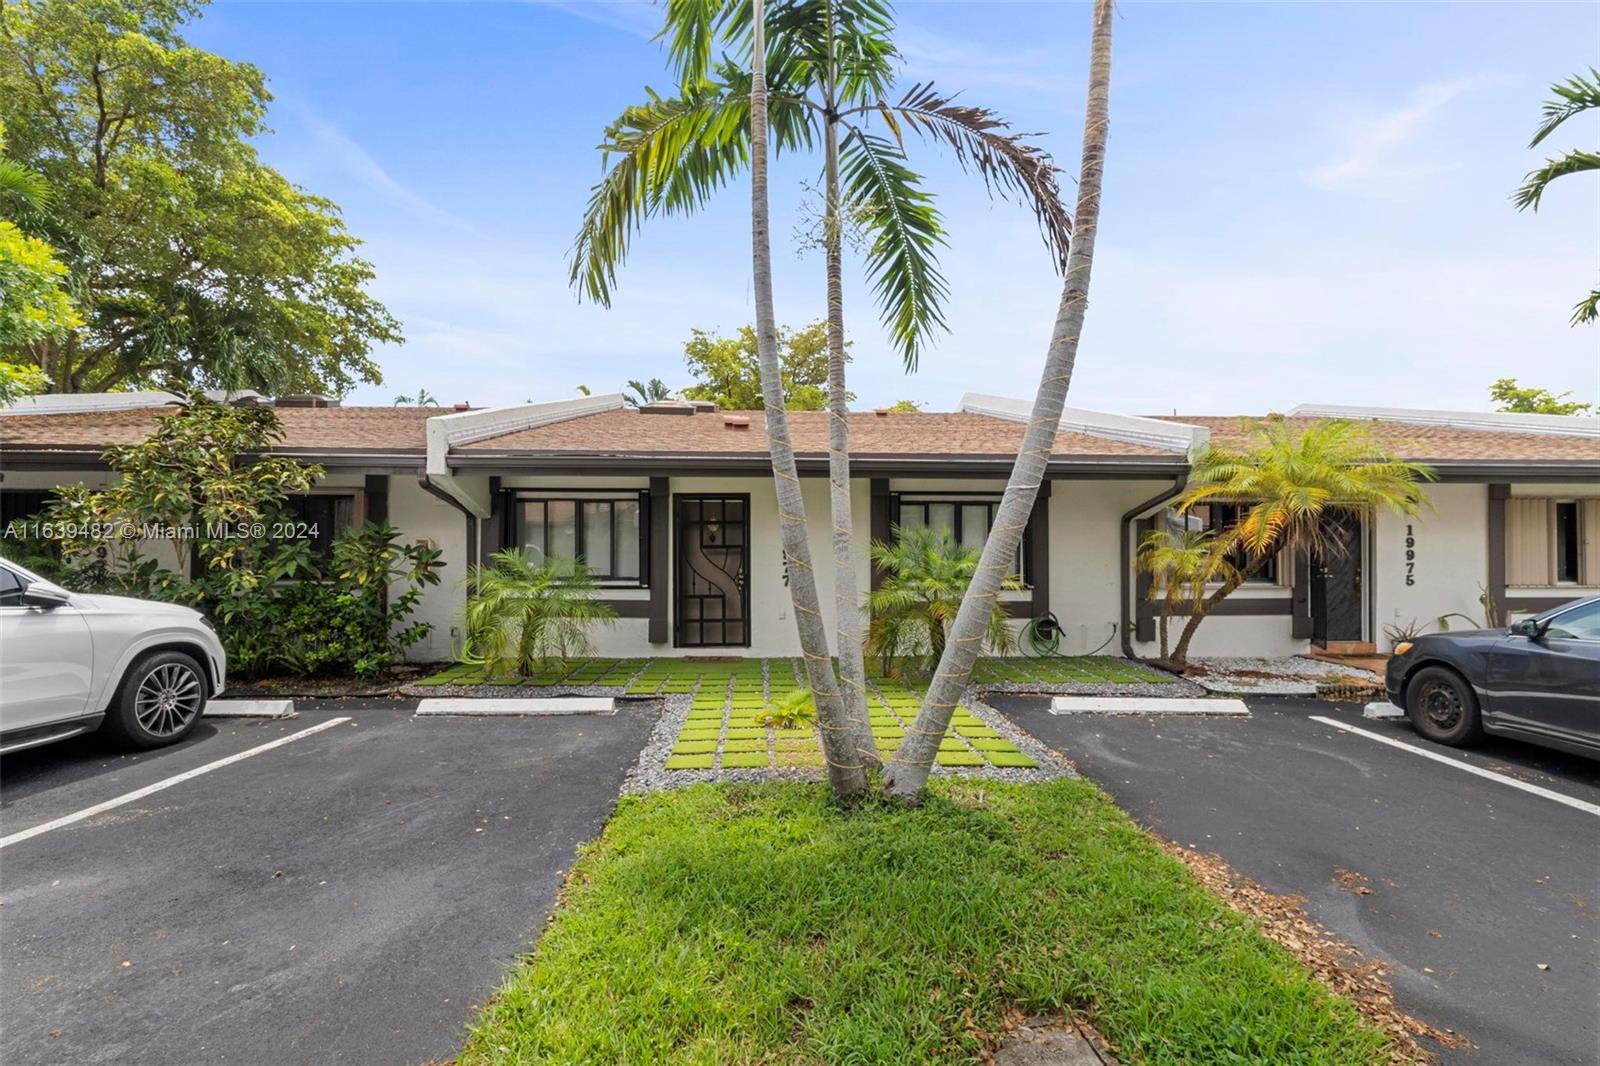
(727,924)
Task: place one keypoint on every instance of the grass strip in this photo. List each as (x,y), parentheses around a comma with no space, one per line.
(731,924)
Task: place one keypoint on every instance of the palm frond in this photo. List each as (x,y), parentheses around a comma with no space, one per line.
(1291,479)
(691,30)
(906,230)
(670,155)
(522,616)
(926,577)
(1010,165)
(23,189)
(1531,190)
(1587,310)
(1575,95)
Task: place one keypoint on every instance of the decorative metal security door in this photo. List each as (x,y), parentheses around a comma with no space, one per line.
(713,589)
(1336,581)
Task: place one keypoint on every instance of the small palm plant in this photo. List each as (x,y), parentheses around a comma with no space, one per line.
(1181,565)
(523,617)
(926,574)
(793,710)
(1286,485)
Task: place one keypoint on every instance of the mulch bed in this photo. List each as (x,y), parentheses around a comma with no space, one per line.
(326,688)
(1336,963)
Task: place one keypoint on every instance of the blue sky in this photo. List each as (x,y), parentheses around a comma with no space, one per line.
(1305,202)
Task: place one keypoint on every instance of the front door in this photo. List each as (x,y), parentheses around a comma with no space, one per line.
(1336,581)
(713,586)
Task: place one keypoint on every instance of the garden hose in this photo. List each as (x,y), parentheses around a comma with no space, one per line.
(1041,638)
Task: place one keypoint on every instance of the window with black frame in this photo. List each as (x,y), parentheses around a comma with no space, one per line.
(19,505)
(321,517)
(1218,518)
(1568,541)
(606,533)
(968,522)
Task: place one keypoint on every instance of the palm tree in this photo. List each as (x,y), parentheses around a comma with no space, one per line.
(644,392)
(523,617)
(907,774)
(847,770)
(423,398)
(1182,565)
(925,575)
(1577,95)
(831,70)
(1286,485)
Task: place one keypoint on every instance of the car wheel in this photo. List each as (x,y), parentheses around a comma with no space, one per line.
(159,701)
(1443,707)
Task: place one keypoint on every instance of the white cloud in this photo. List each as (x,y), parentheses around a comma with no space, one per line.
(1377,152)
(640,18)
(959,63)
(345,153)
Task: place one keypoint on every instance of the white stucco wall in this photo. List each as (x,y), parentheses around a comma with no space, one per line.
(419,515)
(1086,559)
(1451,565)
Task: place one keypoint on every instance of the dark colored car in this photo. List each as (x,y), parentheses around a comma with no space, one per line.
(1537,680)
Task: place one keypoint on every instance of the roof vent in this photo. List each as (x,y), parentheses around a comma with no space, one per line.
(881,412)
(463,406)
(704,406)
(667,407)
(305,399)
(736,421)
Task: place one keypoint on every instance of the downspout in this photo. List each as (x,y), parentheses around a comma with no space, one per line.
(1125,531)
(437,480)
(429,486)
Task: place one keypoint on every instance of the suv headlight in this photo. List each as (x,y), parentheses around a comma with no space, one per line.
(206,621)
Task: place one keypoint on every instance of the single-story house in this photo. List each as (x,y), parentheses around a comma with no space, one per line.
(672,504)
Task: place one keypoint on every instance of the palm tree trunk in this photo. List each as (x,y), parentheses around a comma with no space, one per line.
(846,774)
(1203,606)
(908,771)
(846,594)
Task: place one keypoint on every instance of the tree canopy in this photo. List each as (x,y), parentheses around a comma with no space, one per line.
(726,370)
(1534,401)
(192,262)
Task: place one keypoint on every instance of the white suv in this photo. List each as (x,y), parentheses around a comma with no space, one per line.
(139,670)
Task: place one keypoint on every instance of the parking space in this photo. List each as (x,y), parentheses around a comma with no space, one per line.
(273,893)
(1479,898)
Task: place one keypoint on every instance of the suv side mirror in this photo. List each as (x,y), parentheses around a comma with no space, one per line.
(40,594)
(1528,627)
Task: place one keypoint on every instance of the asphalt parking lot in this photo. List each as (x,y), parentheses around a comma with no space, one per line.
(1463,886)
(347,896)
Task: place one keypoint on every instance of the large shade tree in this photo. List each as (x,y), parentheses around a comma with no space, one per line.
(830,68)
(192,262)
(907,773)
(727,370)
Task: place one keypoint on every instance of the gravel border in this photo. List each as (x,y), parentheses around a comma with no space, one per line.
(1296,675)
(649,773)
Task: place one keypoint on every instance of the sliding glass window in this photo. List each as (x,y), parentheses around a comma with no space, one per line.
(607,534)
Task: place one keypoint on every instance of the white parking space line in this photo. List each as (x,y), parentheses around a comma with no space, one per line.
(1575,804)
(160,786)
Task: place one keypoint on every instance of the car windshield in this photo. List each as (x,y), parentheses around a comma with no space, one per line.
(1580,623)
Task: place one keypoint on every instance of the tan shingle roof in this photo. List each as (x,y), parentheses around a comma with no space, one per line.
(628,432)
(314,429)
(1421,443)
(400,430)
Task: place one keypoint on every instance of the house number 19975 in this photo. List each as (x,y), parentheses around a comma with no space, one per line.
(1411,555)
